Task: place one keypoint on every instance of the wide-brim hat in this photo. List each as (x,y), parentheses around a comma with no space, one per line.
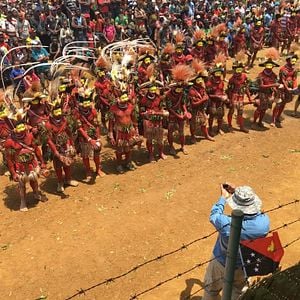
(245,199)
(269,61)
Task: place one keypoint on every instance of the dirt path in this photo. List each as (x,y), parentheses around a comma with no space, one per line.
(104,229)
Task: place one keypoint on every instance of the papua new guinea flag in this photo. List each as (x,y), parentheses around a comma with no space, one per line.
(261,256)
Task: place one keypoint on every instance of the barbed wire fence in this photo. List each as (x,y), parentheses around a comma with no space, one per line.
(185,246)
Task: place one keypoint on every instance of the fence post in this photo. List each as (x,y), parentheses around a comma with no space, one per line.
(232,252)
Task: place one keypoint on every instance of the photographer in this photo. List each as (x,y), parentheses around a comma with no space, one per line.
(255,225)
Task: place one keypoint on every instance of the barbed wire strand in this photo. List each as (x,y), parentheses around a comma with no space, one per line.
(181,248)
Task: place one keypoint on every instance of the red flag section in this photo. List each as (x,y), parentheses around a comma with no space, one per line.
(268,246)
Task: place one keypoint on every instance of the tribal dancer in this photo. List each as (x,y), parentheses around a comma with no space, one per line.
(268,86)
(24,160)
(61,144)
(88,129)
(237,88)
(146,57)
(151,110)
(198,49)
(217,96)
(123,132)
(257,34)
(103,87)
(287,77)
(179,57)
(176,101)
(165,63)
(198,101)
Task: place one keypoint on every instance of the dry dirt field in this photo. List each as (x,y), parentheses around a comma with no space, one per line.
(102,230)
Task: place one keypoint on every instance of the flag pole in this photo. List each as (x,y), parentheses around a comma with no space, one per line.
(232,252)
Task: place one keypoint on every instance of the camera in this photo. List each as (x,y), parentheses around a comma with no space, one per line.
(225,186)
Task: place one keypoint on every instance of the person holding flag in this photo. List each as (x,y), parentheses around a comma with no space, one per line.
(255,225)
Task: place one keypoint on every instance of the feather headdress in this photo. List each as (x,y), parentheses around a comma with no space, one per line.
(102,63)
(220,60)
(199,35)
(182,73)
(169,49)
(271,55)
(221,29)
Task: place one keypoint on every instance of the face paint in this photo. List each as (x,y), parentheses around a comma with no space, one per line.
(218,74)
(3,113)
(222,38)
(20,128)
(269,66)
(258,23)
(86,103)
(35,101)
(238,70)
(199,80)
(178,90)
(200,44)
(209,42)
(62,88)
(153,89)
(57,112)
(179,50)
(101,73)
(293,60)
(124,98)
(147,60)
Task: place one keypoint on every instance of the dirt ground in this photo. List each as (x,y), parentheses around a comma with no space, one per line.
(102,230)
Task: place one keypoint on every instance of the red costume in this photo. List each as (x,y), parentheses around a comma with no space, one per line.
(239,40)
(237,88)
(257,34)
(123,131)
(215,90)
(152,114)
(198,100)
(24,160)
(102,103)
(61,145)
(276,32)
(288,78)
(268,84)
(176,103)
(88,134)
(210,52)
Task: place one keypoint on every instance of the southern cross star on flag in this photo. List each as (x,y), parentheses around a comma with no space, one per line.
(261,256)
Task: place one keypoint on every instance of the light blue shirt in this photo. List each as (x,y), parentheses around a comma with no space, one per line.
(253,227)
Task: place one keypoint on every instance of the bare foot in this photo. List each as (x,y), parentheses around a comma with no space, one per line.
(210,138)
(101,174)
(220,132)
(184,151)
(163,156)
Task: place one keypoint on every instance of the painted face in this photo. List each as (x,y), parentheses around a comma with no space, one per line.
(269,66)
(3,113)
(200,44)
(258,23)
(210,42)
(218,74)
(179,50)
(239,70)
(101,73)
(57,112)
(147,60)
(293,60)
(20,128)
(62,88)
(179,90)
(35,101)
(222,38)
(153,89)
(199,80)
(86,103)
(124,98)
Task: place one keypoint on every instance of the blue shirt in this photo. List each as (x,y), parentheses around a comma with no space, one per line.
(37,54)
(253,227)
